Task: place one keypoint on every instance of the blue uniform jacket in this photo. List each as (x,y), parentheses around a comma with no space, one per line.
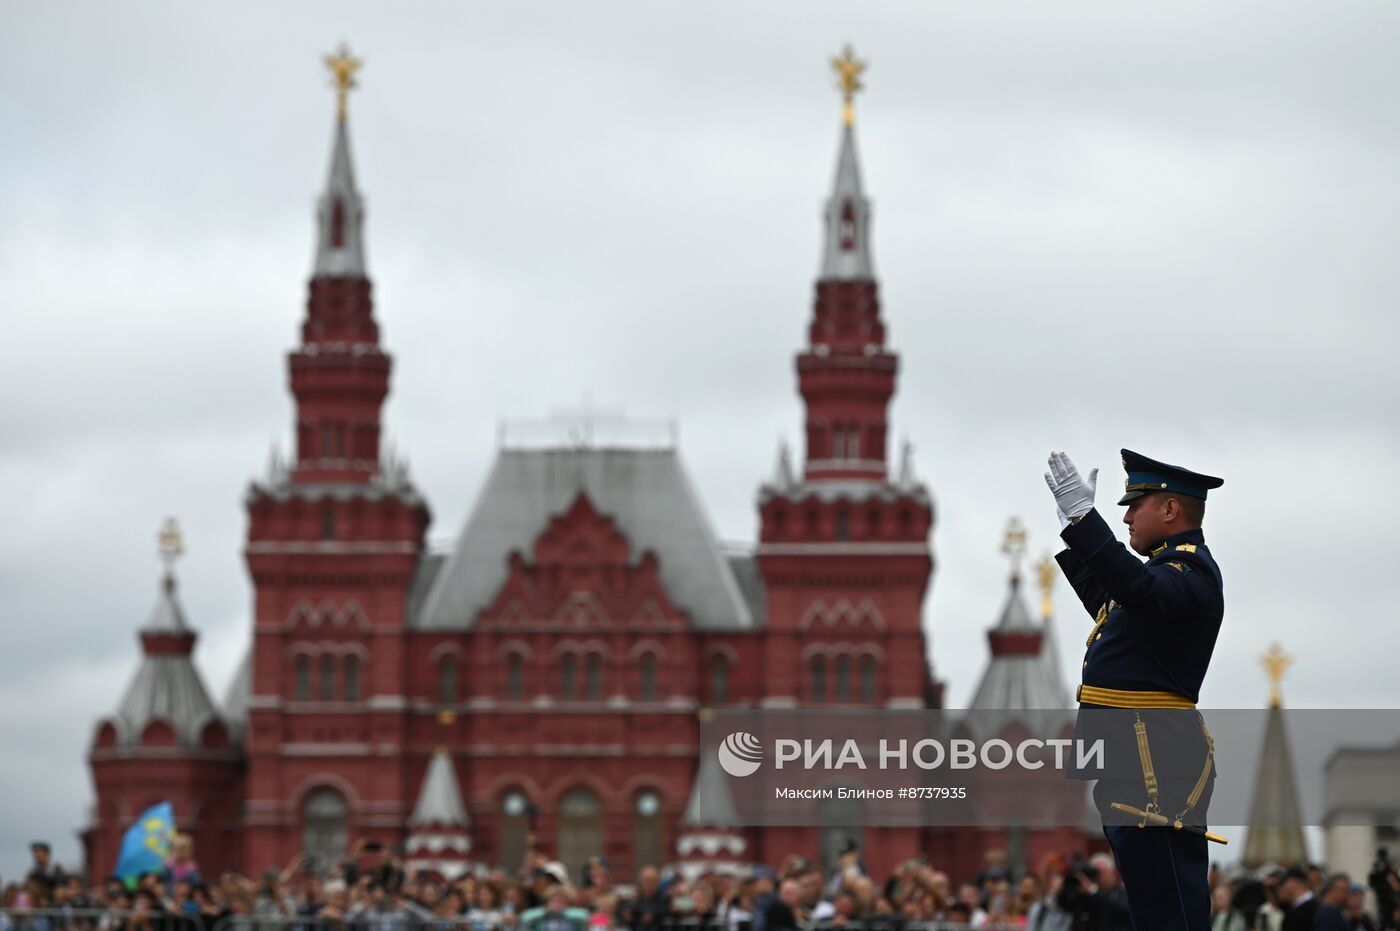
(1161,619)
(1162,616)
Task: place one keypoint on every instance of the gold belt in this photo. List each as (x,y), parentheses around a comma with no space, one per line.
(1131,698)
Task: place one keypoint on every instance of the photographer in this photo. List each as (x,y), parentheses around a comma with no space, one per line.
(1386,885)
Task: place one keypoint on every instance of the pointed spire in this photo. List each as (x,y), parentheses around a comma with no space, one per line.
(440,798)
(711,838)
(1024,671)
(166,687)
(783,478)
(1275,817)
(906,480)
(168,617)
(340,212)
(276,466)
(438,841)
(846,253)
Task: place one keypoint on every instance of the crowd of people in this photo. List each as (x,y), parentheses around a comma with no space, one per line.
(370,890)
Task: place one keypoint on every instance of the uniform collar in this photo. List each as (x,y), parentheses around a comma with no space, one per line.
(1194,535)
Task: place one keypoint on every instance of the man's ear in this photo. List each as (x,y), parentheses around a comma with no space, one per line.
(1171,509)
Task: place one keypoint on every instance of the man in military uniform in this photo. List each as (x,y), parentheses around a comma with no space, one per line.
(1155,626)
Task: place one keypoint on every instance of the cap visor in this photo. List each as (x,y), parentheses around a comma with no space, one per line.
(1131,496)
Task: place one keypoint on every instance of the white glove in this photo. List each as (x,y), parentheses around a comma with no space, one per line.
(1073,496)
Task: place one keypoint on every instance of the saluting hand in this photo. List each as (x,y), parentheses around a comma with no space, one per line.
(1074,497)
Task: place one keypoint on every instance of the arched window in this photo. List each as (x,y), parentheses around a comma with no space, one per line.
(593,677)
(838,443)
(328,524)
(515,677)
(819,678)
(867,680)
(843,679)
(302,666)
(719,680)
(327,678)
(580,829)
(323,828)
(648,691)
(646,830)
(853,442)
(568,677)
(352,678)
(511,830)
(843,525)
(447,680)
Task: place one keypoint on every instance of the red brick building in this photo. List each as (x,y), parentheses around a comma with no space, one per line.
(548,673)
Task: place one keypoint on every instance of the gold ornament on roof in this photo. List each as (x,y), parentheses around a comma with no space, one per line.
(343,66)
(1275,663)
(848,71)
(171,545)
(1013,544)
(1045,574)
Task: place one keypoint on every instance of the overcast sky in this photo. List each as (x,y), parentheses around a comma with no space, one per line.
(1095,225)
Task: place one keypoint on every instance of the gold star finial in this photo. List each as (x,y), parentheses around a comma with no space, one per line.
(1045,573)
(1275,663)
(343,66)
(171,545)
(848,71)
(1013,544)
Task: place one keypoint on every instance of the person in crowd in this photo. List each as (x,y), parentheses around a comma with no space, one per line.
(485,913)
(650,905)
(181,866)
(1295,891)
(557,914)
(1046,913)
(41,866)
(781,915)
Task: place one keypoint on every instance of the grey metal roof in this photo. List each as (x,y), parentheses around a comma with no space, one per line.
(647,493)
(440,797)
(166,685)
(710,804)
(1275,817)
(167,688)
(236,697)
(348,258)
(424,574)
(745,569)
(1021,681)
(846,252)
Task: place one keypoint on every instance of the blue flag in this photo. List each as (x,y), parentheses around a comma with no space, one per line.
(146,844)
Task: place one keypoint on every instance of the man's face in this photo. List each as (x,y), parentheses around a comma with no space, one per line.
(41,857)
(1147,522)
(1335,895)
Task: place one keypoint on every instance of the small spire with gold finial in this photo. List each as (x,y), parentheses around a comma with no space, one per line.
(1275,663)
(343,66)
(848,71)
(1013,544)
(1045,575)
(171,545)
